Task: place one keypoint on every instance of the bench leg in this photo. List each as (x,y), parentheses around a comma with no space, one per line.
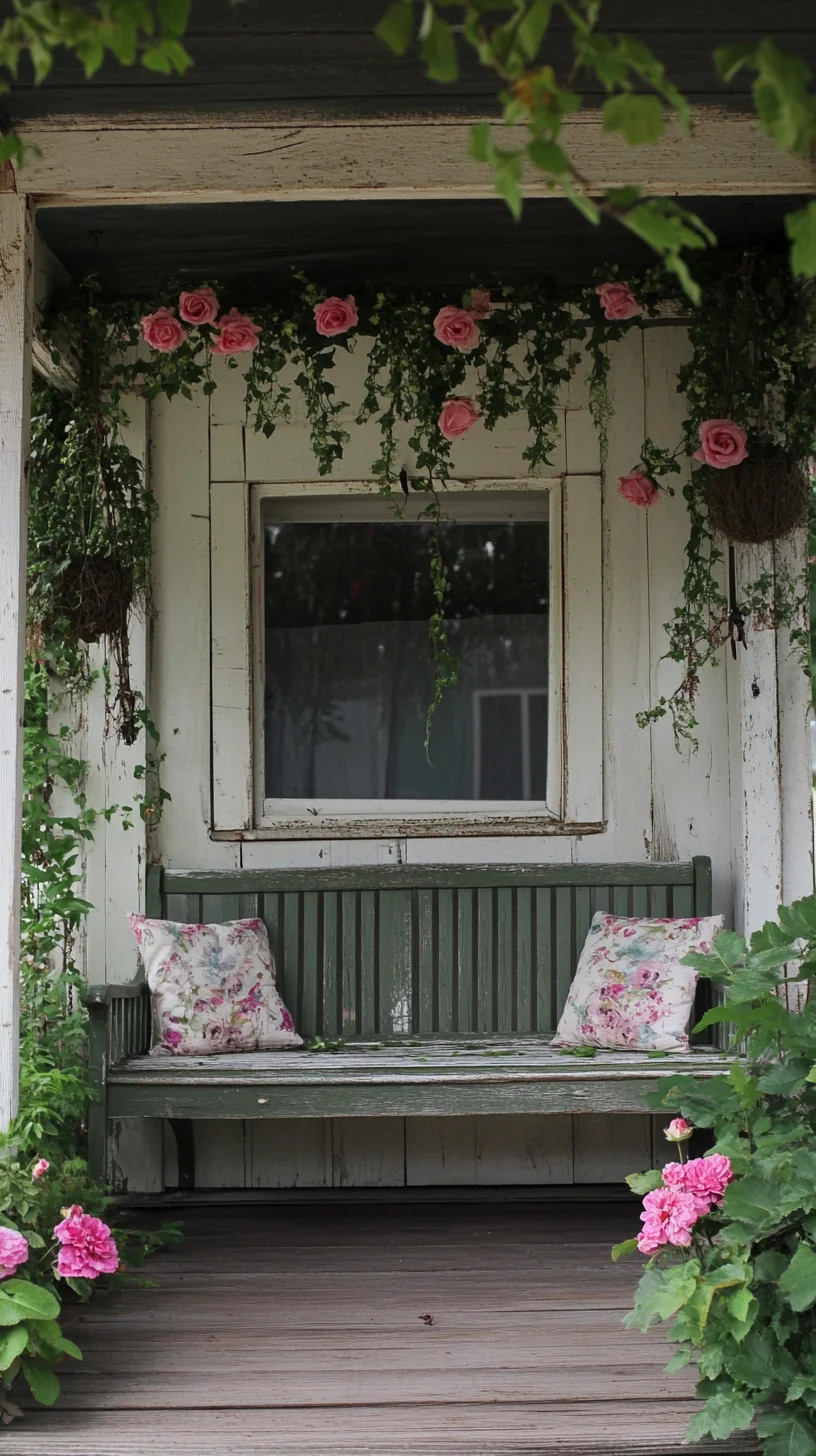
(185,1147)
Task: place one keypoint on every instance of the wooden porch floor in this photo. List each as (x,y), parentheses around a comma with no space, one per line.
(298,1330)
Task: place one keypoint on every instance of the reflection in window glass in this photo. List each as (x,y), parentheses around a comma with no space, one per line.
(348,669)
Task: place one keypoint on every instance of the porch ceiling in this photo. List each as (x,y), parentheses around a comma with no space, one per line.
(320,58)
(249,246)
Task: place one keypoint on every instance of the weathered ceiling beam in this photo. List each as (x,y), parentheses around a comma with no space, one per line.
(202,159)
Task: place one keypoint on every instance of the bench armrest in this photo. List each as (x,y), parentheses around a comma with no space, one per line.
(119,1021)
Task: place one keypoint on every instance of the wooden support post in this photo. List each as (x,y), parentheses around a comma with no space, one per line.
(16,294)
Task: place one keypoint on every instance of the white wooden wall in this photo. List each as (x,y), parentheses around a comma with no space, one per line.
(658,804)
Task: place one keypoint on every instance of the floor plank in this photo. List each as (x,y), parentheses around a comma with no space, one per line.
(296,1331)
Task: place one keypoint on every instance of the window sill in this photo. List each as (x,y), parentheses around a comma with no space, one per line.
(439,826)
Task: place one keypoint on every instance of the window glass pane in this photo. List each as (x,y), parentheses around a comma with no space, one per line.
(348,668)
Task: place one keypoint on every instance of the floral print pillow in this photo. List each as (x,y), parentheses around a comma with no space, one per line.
(630,992)
(212,988)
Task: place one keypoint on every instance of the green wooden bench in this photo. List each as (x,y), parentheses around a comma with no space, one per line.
(444,985)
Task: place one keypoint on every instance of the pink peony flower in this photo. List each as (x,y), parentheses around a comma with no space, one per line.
(668,1217)
(457,417)
(13,1252)
(678,1130)
(480,303)
(88,1248)
(162,330)
(335,316)
(722,443)
(638,489)
(704,1179)
(199,306)
(237,334)
(40,1169)
(618,301)
(457,328)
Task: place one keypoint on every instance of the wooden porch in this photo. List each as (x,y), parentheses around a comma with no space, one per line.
(403,1330)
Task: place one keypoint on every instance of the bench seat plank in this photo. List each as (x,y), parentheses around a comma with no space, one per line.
(428,1079)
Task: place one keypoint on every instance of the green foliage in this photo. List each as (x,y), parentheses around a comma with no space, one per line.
(511,37)
(742,1300)
(147,31)
(753,339)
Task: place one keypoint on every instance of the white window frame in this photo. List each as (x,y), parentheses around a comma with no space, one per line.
(575,749)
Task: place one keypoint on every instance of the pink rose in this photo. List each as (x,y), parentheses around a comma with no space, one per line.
(638,489)
(162,330)
(457,417)
(237,334)
(171,1037)
(457,328)
(480,304)
(722,443)
(678,1130)
(618,301)
(335,316)
(40,1169)
(703,1179)
(13,1252)
(668,1217)
(88,1248)
(199,306)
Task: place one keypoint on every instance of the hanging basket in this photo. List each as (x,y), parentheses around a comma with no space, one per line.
(95,597)
(763,499)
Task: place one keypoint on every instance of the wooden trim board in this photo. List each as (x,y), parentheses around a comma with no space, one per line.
(200,159)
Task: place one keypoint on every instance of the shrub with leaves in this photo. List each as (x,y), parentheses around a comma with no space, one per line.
(736,1274)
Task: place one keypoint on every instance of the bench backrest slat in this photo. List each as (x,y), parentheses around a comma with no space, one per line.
(389,952)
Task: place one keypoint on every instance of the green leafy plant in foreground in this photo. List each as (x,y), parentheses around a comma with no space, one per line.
(741,1293)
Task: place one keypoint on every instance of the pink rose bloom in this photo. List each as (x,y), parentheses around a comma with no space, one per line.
(722,443)
(704,1179)
(668,1217)
(457,328)
(335,316)
(162,330)
(618,301)
(457,417)
(199,306)
(678,1130)
(479,303)
(40,1169)
(237,334)
(13,1252)
(88,1248)
(171,1037)
(638,489)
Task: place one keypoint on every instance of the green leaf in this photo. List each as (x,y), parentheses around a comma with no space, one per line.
(173,16)
(10,1313)
(801,230)
(624,1249)
(798,1283)
(661,1293)
(770,1266)
(481,143)
(12,1344)
(641,1183)
(639,119)
(532,28)
(396,28)
(42,1382)
(784,1434)
(730,59)
(507,169)
(438,47)
(722,1414)
(548,157)
(32,1300)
